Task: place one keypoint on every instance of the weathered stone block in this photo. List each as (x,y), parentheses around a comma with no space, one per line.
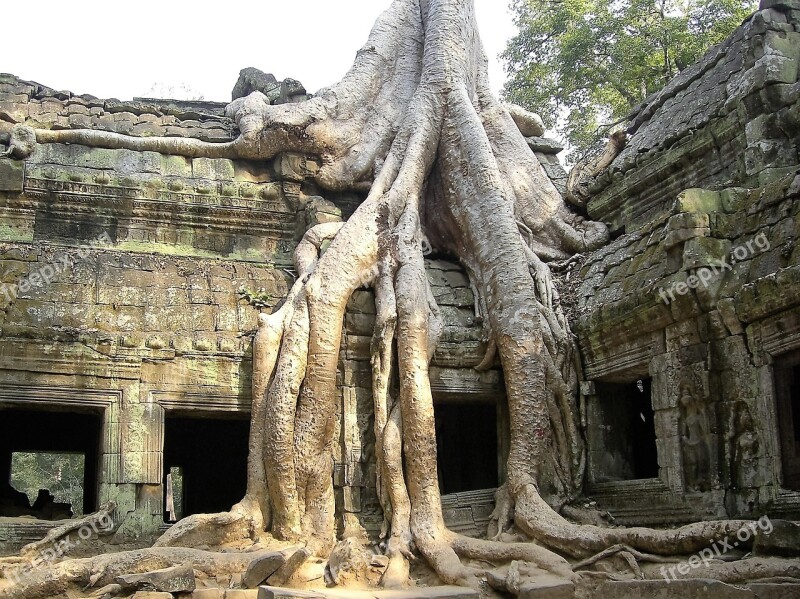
(262,568)
(705,251)
(767,4)
(179,579)
(555,590)
(145,129)
(362,302)
(278,593)
(121,296)
(293,167)
(358,347)
(226,319)
(698,200)
(678,236)
(80,121)
(772,154)
(252,79)
(241,594)
(12,270)
(350,499)
(784,43)
(661,589)
(290,90)
(453,297)
(765,590)
(13,112)
(772,175)
(361,324)
(782,540)
(292,564)
(179,166)
(218,169)
(12,175)
(772,68)
(734,199)
(544,145)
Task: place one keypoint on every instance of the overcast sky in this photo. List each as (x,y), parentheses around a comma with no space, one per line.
(121,50)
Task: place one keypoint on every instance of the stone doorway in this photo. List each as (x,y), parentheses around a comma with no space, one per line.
(39,451)
(205,462)
(466,446)
(787,398)
(621,432)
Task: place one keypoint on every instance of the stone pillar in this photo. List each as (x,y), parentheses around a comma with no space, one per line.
(356,497)
(139,490)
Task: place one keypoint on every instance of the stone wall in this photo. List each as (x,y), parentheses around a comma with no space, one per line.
(701,294)
(123,282)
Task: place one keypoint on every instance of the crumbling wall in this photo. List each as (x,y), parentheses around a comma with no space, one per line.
(701,292)
(132,281)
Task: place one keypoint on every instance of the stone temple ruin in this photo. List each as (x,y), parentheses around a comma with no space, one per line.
(132,283)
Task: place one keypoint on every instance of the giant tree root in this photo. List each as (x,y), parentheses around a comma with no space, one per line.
(53,580)
(414,121)
(100,521)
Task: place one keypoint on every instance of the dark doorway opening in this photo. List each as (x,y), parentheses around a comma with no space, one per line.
(205,463)
(466,444)
(54,451)
(787,398)
(621,432)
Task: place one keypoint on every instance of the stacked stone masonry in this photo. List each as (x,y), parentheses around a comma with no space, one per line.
(124,283)
(700,292)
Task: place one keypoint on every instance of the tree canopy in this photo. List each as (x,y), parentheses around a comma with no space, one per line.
(584,64)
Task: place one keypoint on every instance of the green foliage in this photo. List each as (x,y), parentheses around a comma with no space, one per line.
(584,64)
(258,299)
(59,473)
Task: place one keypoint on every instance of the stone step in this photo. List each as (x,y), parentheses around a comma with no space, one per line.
(768,590)
(547,590)
(695,589)
(214,593)
(241,594)
(442,592)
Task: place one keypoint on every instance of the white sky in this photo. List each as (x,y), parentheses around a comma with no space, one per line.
(121,50)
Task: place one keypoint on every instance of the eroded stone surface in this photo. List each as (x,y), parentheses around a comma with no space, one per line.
(783,540)
(448,592)
(179,579)
(262,568)
(659,589)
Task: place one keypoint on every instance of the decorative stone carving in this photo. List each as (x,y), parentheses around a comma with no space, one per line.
(745,447)
(695,431)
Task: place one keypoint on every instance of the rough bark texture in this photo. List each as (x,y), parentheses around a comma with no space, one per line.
(446,165)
